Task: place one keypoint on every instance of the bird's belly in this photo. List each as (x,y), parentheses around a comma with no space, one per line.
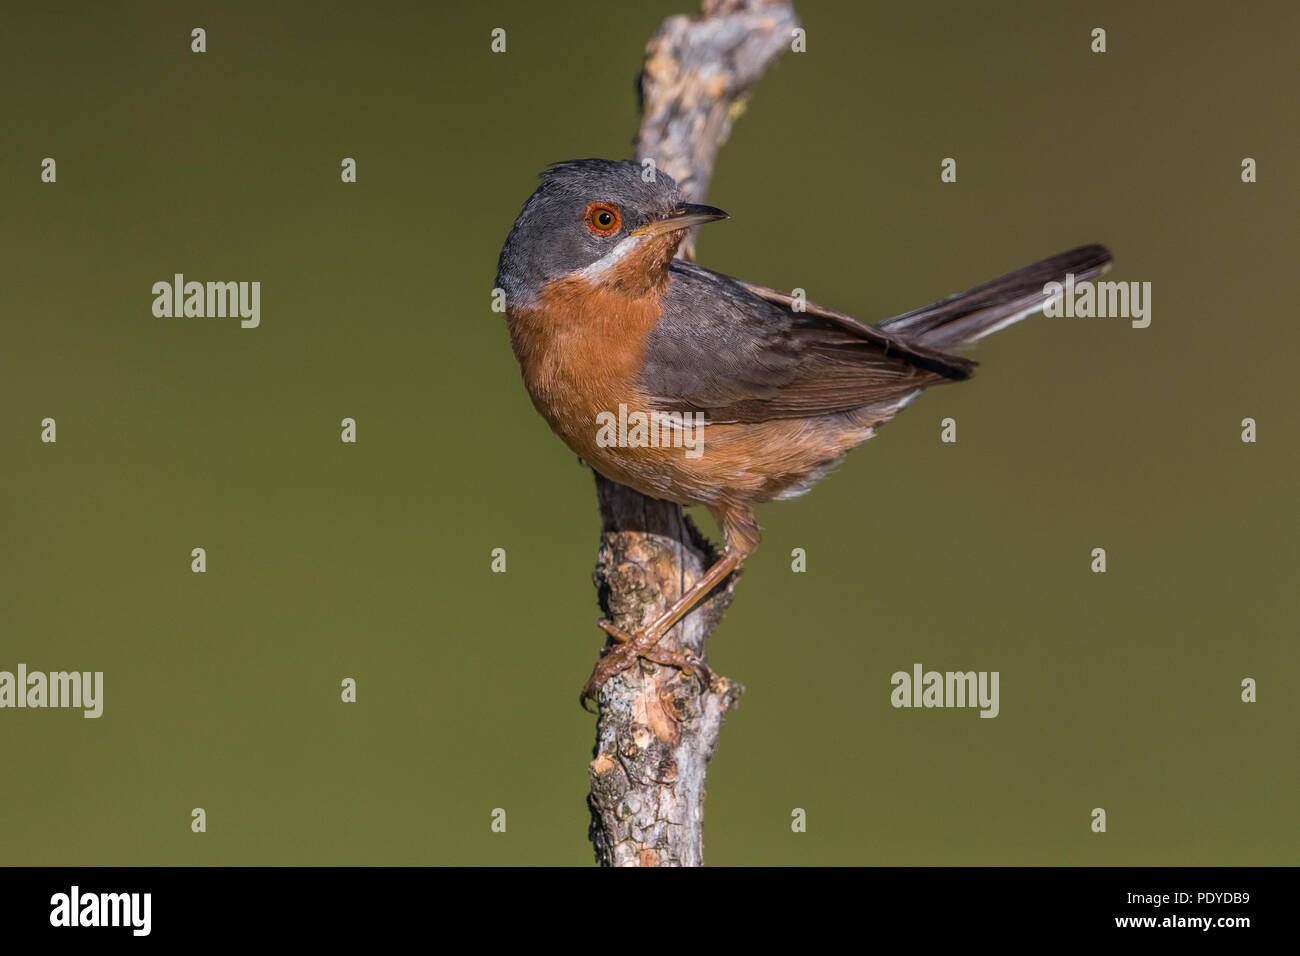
(611,427)
(732,464)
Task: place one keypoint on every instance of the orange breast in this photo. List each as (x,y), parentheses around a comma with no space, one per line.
(580,349)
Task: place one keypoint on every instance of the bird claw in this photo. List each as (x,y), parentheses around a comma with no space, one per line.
(697,668)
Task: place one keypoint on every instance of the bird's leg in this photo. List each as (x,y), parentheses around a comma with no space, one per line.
(688,664)
(631,647)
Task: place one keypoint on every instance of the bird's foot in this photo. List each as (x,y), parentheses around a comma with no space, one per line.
(631,647)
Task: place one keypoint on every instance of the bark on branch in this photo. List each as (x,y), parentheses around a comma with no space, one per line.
(657,730)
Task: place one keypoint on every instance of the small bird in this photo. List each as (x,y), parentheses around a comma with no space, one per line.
(774,391)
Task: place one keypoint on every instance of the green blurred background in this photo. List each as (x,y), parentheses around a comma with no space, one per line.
(328,560)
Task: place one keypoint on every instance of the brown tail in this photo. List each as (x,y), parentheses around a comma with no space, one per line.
(971,315)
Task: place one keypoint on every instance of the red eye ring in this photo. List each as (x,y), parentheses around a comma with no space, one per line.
(602,218)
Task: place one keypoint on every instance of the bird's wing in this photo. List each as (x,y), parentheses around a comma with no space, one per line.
(740,353)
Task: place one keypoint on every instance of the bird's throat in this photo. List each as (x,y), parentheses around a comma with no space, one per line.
(637,267)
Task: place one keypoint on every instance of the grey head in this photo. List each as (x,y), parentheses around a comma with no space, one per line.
(588,213)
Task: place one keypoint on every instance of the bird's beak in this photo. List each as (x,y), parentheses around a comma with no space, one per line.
(685,216)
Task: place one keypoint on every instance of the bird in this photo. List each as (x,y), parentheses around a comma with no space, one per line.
(759,393)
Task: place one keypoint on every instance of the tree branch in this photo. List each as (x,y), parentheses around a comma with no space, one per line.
(658,730)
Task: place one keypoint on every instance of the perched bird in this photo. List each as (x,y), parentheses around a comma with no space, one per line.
(606,322)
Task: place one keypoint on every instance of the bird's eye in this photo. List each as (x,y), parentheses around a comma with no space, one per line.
(602,219)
